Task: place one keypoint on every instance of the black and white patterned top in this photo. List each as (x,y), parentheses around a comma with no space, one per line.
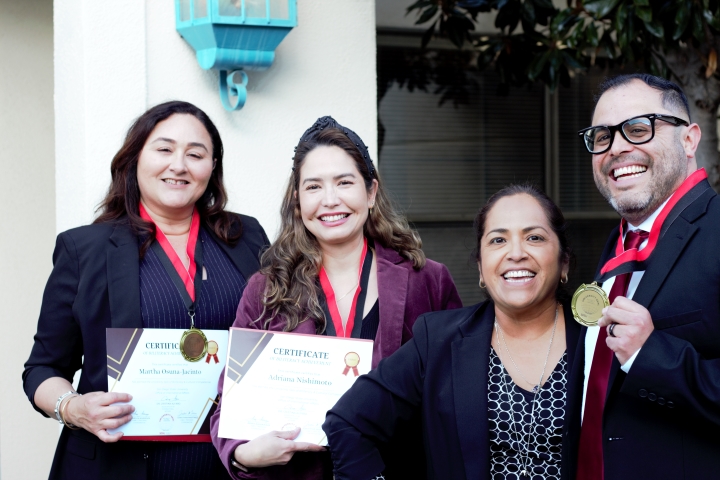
(507,451)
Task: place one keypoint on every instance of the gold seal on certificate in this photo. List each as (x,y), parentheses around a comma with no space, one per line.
(193,344)
(587,304)
(352,360)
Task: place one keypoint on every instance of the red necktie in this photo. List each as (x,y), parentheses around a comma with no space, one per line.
(590,454)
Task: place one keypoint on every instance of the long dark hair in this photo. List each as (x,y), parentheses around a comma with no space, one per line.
(552,212)
(292,263)
(122,201)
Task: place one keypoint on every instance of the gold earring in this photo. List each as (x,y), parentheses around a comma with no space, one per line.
(482,284)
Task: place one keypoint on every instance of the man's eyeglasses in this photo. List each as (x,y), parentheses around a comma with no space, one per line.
(636,130)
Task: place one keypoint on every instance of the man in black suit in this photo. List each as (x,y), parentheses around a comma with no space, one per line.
(651,399)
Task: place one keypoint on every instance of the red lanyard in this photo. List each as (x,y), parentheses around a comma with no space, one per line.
(187,276)
(332,305)
(622,256)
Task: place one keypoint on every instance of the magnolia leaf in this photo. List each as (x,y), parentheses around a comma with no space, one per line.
(655,28)
(641,3)
(571,62)
(537,65)
(682,17)
(427,36)
(697,26)
(429,13)
(600,8)
(418,5)
(644,14)
(591,35)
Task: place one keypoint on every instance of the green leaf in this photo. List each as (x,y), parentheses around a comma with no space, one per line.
(570,61)
(536,66)
(655,28)
(418,5)
(697,26)
(644,14)
(600,8)
(429,13)
(712,20)
(427,36)
(621,17)
(641,3)
(528,13)
(682,17)
(591,35)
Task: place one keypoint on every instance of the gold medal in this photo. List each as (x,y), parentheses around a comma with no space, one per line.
(193,344)
(587,304)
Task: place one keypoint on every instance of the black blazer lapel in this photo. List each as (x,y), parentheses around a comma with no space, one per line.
(241,255)
(470,363)
(666,254)
(123,277)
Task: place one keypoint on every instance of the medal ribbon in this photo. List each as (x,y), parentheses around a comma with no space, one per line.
(187,276)
(332,305)
(627,260)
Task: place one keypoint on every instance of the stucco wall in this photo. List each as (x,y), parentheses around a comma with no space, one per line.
(114,60)
(27,213)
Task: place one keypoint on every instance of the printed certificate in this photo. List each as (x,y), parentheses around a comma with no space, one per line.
(277,381)
(173,397)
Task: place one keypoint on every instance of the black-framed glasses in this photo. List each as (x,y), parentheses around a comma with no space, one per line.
(636,130)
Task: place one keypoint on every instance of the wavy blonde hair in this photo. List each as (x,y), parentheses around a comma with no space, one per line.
(292,264)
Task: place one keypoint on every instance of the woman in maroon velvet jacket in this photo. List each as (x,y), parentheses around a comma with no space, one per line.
(345,264)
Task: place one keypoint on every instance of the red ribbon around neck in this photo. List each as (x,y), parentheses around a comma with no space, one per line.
(332,305)
(187,276)
(623,256)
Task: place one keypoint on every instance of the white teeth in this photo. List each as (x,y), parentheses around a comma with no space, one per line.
(518,274)
(632,169)
(174,182)
(334,218)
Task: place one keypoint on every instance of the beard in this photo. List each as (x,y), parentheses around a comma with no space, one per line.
(667,173)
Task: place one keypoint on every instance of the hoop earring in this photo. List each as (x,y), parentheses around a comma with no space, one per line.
(482,284)
(564,279)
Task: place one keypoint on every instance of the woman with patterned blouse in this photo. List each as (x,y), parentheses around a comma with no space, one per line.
(489,381)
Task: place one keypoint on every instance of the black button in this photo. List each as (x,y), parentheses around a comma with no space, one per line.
(661,401)
(642,392)
(652,397)
(670,404)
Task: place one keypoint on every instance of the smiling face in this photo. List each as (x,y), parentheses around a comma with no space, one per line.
(175,166)
(637,179)
(334,202)
(520,256)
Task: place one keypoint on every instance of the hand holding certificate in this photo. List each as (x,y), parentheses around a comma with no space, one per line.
(173,397)
(282,381)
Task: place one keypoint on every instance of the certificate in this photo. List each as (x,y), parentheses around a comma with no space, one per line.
(173,398)
(278,381)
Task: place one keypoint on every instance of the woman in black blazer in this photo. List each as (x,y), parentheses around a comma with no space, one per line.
(166,195)
(490,382)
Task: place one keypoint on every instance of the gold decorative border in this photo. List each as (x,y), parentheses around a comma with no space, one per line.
(201,414)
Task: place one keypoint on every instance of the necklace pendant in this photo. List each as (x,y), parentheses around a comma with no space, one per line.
(524,473)
(536,389)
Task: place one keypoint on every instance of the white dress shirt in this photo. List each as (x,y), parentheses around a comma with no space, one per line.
(593,332)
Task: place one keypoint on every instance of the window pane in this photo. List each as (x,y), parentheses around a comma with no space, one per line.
(184,10)
(255,8)
(452,244)
(279,9)
(200,10)
(577,187)
(230,8)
